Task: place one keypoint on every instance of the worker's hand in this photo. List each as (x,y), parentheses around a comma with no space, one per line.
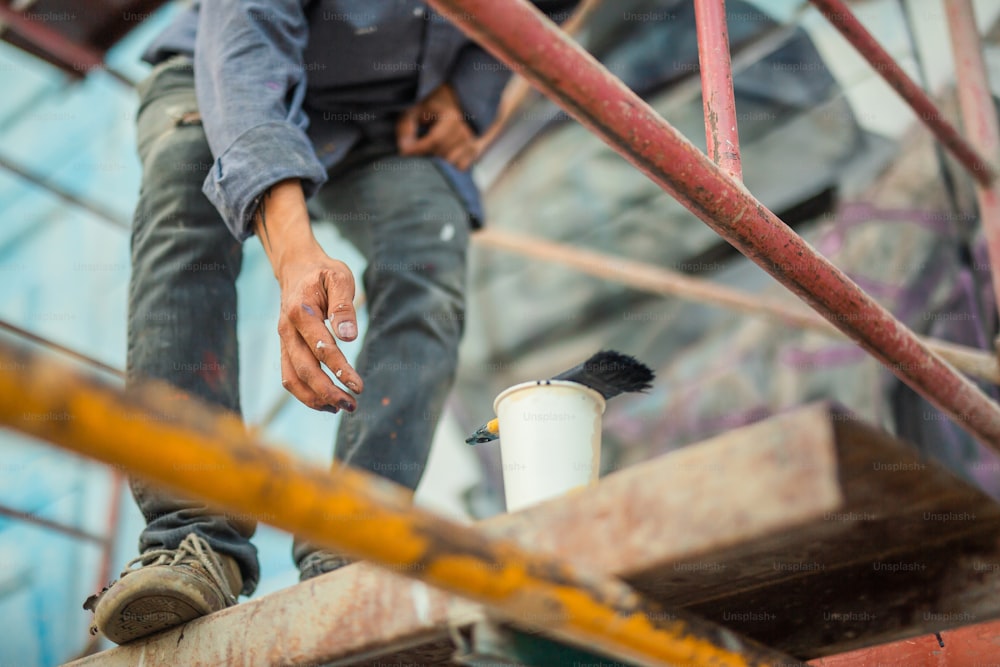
(314,288)
(448,136)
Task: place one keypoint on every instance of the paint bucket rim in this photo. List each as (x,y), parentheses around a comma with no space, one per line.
(569,384)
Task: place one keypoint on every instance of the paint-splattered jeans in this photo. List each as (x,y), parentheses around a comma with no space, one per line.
(402,215)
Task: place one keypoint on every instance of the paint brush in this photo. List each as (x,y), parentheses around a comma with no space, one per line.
(608,372)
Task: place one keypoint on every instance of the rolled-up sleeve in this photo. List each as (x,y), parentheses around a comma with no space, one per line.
(250,82)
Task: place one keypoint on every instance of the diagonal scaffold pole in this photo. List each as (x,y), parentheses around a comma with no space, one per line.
(979,116)
(209,454)
(841,17)
(979,151)
(521,36)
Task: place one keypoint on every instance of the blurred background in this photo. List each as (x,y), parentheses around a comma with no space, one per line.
(826,144)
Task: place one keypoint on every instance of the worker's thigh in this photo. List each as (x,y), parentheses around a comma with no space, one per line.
(185,261)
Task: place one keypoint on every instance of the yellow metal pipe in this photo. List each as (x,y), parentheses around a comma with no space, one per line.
(174,440)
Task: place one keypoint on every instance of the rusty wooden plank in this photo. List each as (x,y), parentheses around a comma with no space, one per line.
(729,490)
(821,608)
(358,615)
(354,613)
(207,453)
(774,529)
(912,549)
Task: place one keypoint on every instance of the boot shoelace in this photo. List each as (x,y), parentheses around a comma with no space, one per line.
(191,546)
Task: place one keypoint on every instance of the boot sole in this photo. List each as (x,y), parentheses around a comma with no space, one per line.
(146,615)
(153,600)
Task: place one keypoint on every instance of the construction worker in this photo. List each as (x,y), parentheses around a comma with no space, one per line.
(367,109)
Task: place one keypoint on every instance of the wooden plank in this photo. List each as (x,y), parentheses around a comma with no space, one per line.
(809,531)
(836,609)
(359,611)
(729,490)
(913,549)
(356,614)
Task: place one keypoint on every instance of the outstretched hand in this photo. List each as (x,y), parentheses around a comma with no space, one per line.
(314,289)
(447,135)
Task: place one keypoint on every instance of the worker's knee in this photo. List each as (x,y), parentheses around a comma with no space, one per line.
(444,314)
(177,160)
(418,295)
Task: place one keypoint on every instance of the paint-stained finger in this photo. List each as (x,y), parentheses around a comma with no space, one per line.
(311,332)
(297,388)
(307,369)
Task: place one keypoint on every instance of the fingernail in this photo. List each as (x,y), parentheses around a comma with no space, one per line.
(347,405)
(331,408)
(347,329)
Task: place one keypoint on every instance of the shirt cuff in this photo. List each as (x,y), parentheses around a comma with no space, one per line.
(260,157)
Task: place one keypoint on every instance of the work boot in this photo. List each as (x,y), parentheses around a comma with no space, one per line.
(321,562)
(170,587)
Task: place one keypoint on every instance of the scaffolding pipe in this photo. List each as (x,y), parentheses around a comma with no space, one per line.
(55,526)
(718,99)
(841,17)
(208,453)
(73,57)
(521,36)
(65,195)
(57,347)
(658,280)
(979,116)
(92,643)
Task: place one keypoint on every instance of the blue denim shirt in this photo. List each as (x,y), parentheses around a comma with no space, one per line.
(286,87)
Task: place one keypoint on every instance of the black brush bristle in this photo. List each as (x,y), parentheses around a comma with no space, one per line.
(610,373)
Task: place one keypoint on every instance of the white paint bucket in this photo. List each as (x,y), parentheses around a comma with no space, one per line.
(550,439)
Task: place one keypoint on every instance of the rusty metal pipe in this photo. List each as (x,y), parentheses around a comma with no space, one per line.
(62,528)
(52,345)
(979,116)
(74,57)
(517,33)
(718,99)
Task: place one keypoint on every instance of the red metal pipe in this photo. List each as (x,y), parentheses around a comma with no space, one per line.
(74,57)
(721,132)
(71,531)
(961,647)
(517,33)
(840,15)
(52,345)
(107,550)
(979,116)
(111,532)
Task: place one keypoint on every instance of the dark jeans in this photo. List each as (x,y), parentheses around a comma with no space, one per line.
(400,213)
